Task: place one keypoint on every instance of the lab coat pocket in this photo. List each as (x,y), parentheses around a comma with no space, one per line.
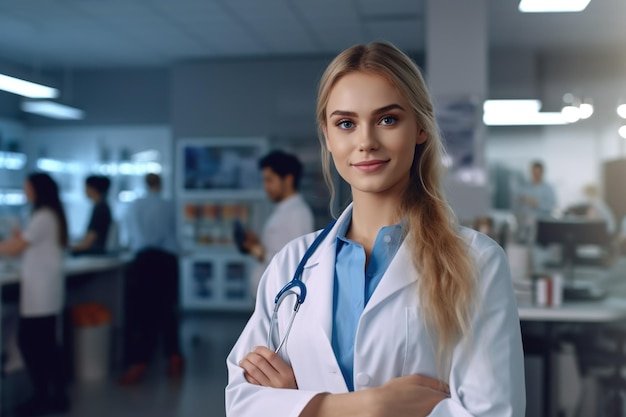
(419,353)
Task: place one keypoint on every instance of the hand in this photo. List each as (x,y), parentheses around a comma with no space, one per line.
(16,234)
(253,245)
(410,396)
(530,201)
(264,367)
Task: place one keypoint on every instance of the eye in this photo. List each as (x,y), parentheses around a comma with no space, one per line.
(388,120)
(345,124)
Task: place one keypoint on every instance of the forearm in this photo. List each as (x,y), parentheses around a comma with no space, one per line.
(357,404)
(86,242)
(12,247)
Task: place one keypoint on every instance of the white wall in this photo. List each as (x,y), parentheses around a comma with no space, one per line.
(11,131)
(82,144)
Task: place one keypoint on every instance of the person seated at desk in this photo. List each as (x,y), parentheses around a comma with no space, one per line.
(95,240)
(594,208)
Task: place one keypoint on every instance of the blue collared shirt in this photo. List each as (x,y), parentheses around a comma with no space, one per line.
(354,286)
(152,224)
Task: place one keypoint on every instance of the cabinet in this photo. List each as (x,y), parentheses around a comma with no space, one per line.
(218,181)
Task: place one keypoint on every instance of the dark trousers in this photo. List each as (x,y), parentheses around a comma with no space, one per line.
(151,305)
(42,356)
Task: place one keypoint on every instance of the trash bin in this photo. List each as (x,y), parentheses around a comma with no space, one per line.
(92,330)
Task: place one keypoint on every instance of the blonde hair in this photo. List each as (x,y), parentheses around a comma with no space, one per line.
(447,273)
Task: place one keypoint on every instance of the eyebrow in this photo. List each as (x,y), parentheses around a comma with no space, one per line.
(375,112)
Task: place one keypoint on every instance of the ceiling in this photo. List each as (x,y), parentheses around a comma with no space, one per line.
(49,34)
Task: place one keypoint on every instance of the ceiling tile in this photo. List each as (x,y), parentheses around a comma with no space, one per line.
(391,7)
(128,32)
(405,34)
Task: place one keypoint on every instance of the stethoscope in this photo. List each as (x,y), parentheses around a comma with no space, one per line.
(295,287)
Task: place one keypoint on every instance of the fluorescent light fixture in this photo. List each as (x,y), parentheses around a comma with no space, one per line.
(54,165)
(519,113)
(552,6)
(585,110)
(146,156)
(622,131)
(621,111)
(571,113)
(509,106)
(12,160)
(537,119)
(53,110)
(12,198)
(26,88)
(128,168)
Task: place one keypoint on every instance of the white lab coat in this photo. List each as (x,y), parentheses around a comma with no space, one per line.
(487,372)
(291,218)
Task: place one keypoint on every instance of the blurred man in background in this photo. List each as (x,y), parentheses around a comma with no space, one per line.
(534,201)
(151,292)
(291,217)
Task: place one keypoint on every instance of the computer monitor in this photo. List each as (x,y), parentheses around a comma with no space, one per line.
(570,233)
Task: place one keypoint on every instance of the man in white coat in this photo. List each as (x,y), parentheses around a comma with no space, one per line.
(291,217)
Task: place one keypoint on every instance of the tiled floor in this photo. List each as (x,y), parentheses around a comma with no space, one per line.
(206,340)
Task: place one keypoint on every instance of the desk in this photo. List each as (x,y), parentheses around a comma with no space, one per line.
(606,311)
(71,267)
(88,278)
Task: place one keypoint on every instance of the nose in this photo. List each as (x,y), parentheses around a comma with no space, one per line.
(367,139)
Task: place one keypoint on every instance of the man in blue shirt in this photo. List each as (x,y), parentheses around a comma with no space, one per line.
(534,201)
(151,291)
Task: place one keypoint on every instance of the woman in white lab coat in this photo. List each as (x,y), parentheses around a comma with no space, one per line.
(406,313)
(42,291)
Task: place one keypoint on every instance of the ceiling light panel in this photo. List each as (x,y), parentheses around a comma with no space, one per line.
(26,88)
(552,6)
(52,110)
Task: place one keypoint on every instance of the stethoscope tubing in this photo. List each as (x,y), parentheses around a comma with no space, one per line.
(294,287)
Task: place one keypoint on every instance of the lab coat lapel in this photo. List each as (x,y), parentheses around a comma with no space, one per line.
(320,272)
(320,285)
(400,273)
(315,320)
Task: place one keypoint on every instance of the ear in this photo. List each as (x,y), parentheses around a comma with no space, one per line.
(421,137)
(289,180)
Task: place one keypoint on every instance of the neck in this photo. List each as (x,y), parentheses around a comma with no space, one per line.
(371,212)
(287,195)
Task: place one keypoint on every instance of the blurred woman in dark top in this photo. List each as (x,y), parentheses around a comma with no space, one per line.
(94,241)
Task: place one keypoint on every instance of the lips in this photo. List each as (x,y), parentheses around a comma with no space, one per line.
(371,165)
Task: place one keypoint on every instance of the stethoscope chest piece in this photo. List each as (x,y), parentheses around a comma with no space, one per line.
(294,287)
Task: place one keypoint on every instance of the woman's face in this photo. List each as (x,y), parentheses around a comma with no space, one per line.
(371,133)
(29,191)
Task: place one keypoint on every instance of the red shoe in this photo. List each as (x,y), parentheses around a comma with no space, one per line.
(175,366)
(133,375)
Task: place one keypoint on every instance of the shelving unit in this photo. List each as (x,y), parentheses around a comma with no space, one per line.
(217,182)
